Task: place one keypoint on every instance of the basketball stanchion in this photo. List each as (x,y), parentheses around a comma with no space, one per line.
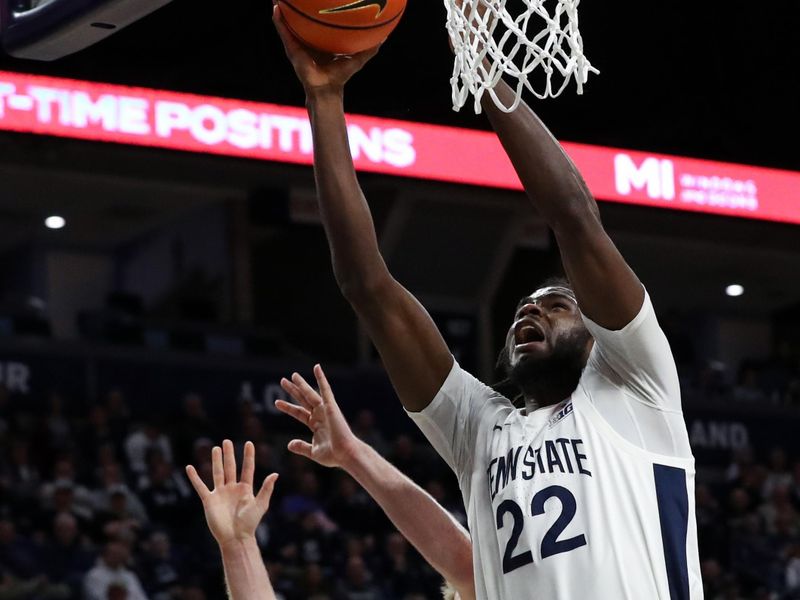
(51,29)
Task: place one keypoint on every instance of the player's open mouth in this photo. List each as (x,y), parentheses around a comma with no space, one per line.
(529,347)
(527,336)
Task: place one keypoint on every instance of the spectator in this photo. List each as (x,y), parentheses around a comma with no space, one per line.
(793,569)
(192,592)
(747,389)
(366,430)
(119,522)
(141,442)
(739,505)
(304,500)
(743,460)
(160,567)
(352,509)
(193,424)
(97,432)
(18,554)
(64,477)
(710,526)
(117,591)
(314,585)
(403,571)
(165,493)
(119,414)
(110,573)
(114,483)
(752,555)
(22,474)
(778,508)
(62,500)
(266,460)
(13,588)
(67,555)
(778,474)
(357,584)
(712,578)
(57,426)
(405,457)
(314,538)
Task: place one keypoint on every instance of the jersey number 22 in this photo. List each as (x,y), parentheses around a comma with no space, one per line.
(550,543)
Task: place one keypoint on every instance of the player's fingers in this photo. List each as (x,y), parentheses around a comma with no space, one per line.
(197,483)
(289,41)
(265,493)
(311,395)
(216,467)
(229,461)
(324,387)
(248,463)
(298,412)
(295,392)
(300,447)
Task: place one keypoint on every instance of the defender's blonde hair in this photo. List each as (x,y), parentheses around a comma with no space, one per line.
(449,592)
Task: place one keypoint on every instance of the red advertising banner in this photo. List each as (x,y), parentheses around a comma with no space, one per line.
(145,117)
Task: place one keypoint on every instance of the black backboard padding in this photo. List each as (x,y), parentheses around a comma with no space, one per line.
(57,28)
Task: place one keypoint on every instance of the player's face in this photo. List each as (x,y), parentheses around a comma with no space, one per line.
(546,326)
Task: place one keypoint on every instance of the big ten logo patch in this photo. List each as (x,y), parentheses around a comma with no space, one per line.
(560,415)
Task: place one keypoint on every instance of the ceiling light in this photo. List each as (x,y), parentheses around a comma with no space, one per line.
(55,222)
(734,290)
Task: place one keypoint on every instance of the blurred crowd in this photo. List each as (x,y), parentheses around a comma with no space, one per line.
(774,380)
(95,505)
(749,528)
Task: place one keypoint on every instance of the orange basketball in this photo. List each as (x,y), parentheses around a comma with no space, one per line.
(342,26)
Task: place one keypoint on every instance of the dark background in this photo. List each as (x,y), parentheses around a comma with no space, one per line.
(708,79)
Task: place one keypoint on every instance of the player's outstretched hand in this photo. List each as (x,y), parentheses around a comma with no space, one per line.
(332,443)
(318,72)
(232,511)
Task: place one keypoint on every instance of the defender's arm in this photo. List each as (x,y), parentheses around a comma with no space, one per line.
(424,523)
(430,529)
(233,512)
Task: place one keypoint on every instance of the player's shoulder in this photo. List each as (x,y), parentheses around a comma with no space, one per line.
(460,383)
(645,314)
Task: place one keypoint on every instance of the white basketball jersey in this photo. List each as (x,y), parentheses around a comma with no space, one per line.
(591,499)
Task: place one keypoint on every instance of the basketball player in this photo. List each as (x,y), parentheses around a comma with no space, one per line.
(586,492)
(423,522)
(233,513)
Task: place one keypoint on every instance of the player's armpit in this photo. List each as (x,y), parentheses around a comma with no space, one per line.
(413,351)
(607,289)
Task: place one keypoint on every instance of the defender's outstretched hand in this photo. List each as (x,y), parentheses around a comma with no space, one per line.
(318,71)
(333,443)
(232,511)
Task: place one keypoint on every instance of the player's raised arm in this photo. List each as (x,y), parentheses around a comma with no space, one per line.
(608,291)
(413,351)
(429,528)
(233,513)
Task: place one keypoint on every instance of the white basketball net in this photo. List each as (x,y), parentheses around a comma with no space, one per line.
(489,42)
